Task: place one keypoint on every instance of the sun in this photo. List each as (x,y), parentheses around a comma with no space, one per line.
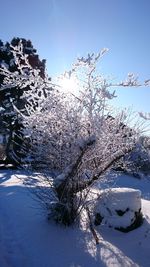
(69,85)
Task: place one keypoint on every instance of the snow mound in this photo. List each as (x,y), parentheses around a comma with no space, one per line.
(119,208)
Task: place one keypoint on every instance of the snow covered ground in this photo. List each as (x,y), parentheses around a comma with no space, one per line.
(27,239)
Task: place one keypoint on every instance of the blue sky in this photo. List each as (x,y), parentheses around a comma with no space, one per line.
(60,30)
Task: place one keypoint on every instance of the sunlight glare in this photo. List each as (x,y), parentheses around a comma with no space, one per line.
(69,85)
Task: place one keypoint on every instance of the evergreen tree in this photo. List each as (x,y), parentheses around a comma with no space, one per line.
(13,96)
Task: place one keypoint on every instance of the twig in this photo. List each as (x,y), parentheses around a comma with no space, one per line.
(92,227)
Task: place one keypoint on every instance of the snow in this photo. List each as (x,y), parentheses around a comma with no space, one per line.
(126,200)
(121,198)
(27,239)
(3,48)
(12,62)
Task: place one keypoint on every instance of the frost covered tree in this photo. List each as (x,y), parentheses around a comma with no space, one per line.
(13,95)
(75,132)
(138,162)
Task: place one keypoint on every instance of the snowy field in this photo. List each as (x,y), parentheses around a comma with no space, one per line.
(27,239)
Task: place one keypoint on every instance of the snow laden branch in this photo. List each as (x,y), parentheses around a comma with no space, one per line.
(145,116)
(17,89)
(25,76)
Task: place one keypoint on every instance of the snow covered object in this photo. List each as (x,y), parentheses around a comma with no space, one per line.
(119,208)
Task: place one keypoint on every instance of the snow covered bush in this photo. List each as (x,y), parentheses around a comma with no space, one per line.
(76,133)
(119,208)
(140,158)
(137,163)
